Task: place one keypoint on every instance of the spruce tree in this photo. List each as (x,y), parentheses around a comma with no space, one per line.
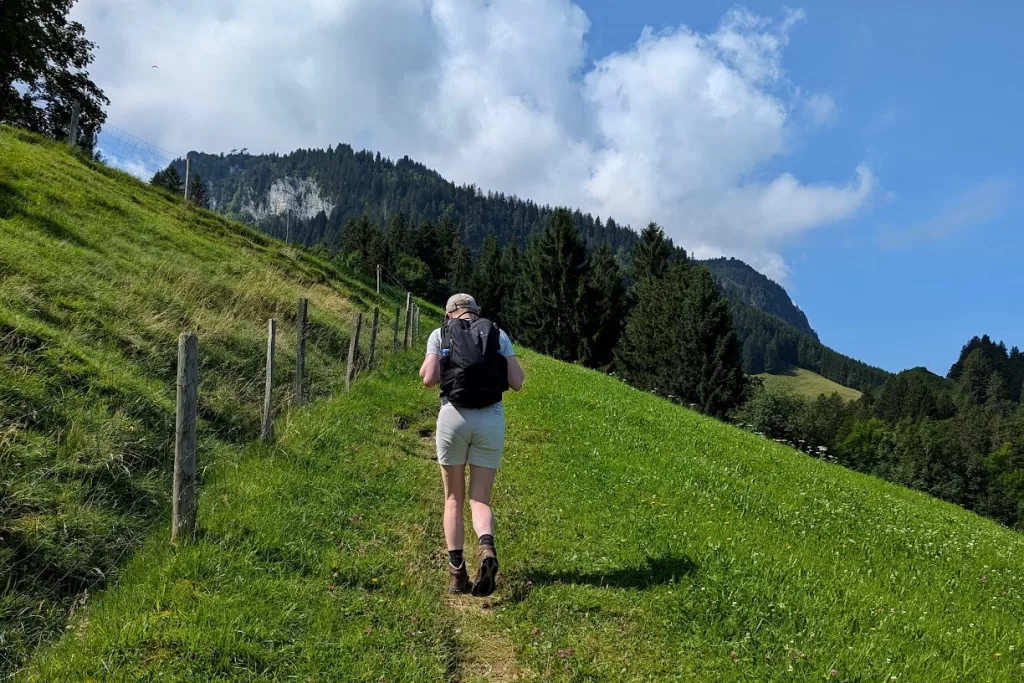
(487,281)
(712,350)
(511,276)
(974,377)
(753,356)
(648,354)
(679,341)
(428,248)
(358,248)
(168,179)
(460,267)
(652,254)
(605,327)
(553,296)
(197,192)
(398,239)
(996,392)
(773,362)
(448,237)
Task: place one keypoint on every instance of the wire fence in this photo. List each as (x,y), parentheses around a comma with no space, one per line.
(132,154)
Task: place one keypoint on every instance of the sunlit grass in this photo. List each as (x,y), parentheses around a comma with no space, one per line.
(807,384)
(638,540)
(98,276)
(315,559)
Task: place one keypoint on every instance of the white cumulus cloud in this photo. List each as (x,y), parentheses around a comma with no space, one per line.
(679,128)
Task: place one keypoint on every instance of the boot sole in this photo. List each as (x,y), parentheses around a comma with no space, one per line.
(488,578)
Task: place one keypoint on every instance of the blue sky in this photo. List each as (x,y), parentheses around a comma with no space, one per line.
(866,154)
(928,95)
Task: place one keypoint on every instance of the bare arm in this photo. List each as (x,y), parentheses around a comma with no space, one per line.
(515,374)
(430,371)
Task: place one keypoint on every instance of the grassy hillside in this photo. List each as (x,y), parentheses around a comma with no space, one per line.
(98,276)
(639,541)
(808,385)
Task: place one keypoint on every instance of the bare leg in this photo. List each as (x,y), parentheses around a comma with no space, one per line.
(454,479)
(481,481)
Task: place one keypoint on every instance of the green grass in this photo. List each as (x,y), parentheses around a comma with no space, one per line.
(98,275)
(807,384)
(639,541)
(315,558)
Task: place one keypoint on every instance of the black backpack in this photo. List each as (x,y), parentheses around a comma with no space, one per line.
(474,374)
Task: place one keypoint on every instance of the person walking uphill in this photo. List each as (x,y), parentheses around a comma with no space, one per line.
(474,364)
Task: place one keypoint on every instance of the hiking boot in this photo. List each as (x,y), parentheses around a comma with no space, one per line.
(487,576)
(458,579)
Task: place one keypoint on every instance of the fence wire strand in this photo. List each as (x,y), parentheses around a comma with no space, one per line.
(132,154)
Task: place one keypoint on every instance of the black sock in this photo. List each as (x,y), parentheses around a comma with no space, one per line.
(487,539)
(455,557)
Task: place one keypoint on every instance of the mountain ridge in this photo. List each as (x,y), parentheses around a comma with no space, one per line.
(287,196)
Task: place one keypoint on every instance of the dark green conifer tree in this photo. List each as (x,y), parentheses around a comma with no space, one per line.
(197,192)
(711,351)
(460,267)
(553,298)
(648,354)
(511,275)
(487,281)
(652,254)
(399,239)
(974,377)
(428,248)
(679,341)
(168,179)
(609,310)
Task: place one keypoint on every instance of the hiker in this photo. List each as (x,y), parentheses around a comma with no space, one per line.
(474,363)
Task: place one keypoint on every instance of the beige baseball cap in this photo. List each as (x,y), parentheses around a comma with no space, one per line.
(463,302)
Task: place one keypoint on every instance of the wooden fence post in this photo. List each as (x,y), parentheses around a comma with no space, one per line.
(76,110)
(378,278)
(268,416)
(394,344)
(373,336)
(183,505)
(188,172)
(408,317)
(300,354)
(353,352)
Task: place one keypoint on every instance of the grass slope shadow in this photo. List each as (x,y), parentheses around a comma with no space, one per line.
(657,571)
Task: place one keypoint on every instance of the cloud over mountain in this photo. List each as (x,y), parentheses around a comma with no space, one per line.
(679,128)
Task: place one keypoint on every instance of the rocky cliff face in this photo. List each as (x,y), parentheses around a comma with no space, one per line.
(303,199)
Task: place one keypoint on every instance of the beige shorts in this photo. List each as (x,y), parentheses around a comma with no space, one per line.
(476,436)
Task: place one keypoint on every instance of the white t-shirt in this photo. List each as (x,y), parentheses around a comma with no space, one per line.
(434,347)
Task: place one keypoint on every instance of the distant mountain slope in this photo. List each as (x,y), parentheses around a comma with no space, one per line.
(309,196)
(809,385)
(740,282)
(772,345)
(324,189)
